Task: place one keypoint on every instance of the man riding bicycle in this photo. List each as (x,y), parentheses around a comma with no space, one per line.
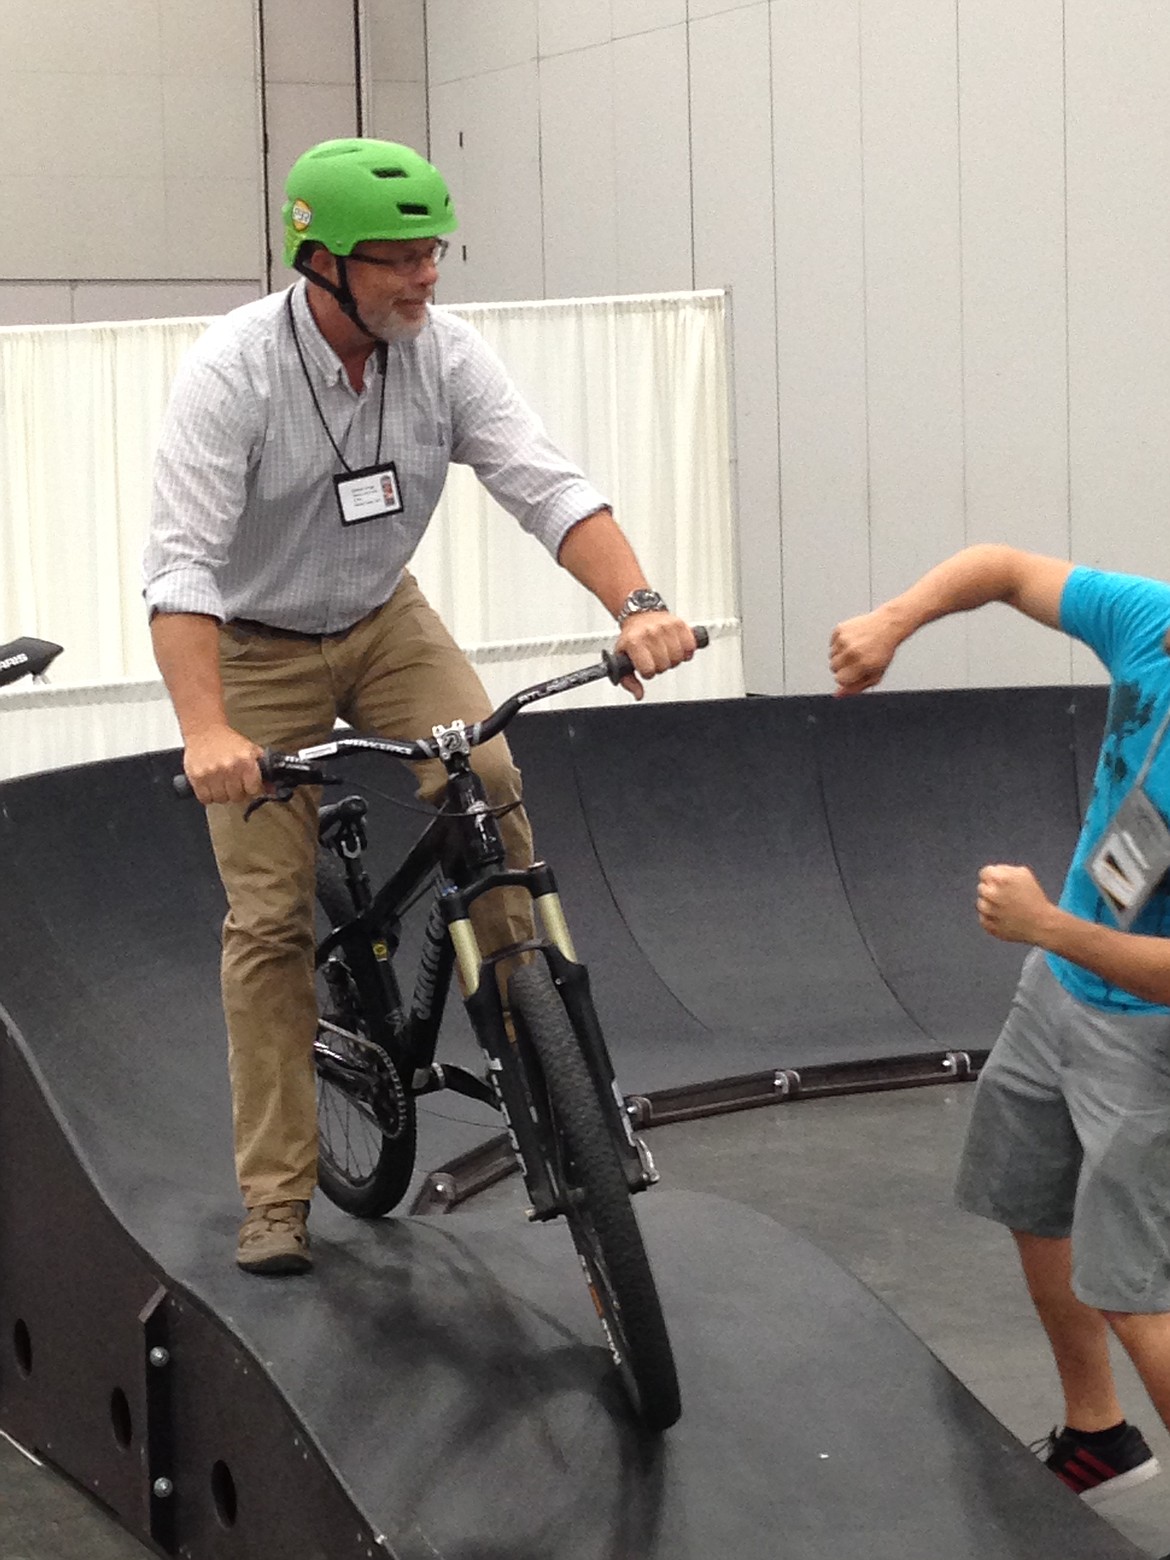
(304,450)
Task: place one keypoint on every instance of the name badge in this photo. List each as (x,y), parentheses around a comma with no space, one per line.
(368,494)
(1132,858)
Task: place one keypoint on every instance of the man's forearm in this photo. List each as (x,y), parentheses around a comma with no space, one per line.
(970,579)
(597,554)
(1134,962)
(186,647)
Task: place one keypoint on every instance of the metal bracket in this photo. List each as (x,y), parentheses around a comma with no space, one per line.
(451,740)
(160,1451)
(640,1110)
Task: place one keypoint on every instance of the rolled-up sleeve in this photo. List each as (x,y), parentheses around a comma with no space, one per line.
(200,483)
(501,438)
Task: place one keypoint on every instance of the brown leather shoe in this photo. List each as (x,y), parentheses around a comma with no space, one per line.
(273,1239)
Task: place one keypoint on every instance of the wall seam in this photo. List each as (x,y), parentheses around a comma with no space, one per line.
(426,71)
(265,183)
(964,467)
(1068,467)
(776,345)
(865,298)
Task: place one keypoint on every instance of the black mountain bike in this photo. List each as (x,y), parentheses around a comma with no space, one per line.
(547,1071)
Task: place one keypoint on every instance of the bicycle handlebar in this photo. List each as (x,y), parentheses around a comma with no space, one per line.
(303,767)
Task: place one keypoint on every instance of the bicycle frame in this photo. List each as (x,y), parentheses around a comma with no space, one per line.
(463,841)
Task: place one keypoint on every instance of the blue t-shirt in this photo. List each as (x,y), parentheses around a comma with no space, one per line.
(1124,619)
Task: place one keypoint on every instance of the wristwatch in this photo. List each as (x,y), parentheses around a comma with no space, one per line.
(641,601)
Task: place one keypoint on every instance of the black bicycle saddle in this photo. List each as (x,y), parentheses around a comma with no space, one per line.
(26,658)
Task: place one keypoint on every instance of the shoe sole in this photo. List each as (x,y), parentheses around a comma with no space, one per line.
(1101,1493)
(276,1267)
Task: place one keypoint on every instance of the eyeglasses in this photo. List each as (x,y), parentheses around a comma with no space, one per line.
(405,264)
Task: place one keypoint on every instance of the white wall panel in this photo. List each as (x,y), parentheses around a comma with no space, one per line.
(1011,114)
(639,16)
(30,303)
(215,37)
(578,174)
(1119,284)
(396,40)
(309,41)
(731,127)
(398,112)
(85,227)
(212,229)
(159,301)
(211,129)
(697,9)
(913,312)
(652,149)
(99,126)
(567,24)
(89,37)
(494,177)
(820,329)
(470,37)
(299,117)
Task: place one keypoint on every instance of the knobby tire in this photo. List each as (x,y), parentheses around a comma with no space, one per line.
(597,1203)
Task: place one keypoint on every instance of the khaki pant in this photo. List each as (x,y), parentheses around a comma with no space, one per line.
(397,673)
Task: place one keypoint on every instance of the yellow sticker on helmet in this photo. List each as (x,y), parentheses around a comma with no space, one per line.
(302,215)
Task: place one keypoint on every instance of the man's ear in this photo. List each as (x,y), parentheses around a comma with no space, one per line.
(324,262)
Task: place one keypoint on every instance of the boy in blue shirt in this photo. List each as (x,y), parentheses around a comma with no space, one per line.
(1069,1142)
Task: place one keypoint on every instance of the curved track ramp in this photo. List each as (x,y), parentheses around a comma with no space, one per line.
(436,1391)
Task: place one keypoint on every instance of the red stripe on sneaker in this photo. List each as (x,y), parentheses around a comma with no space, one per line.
(1075,1479)
(1102,1470)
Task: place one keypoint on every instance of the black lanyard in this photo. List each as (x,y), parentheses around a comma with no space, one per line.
(381,350)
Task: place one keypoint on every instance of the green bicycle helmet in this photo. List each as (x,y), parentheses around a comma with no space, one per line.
(341,192)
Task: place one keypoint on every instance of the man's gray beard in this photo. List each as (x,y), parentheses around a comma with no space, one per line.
(394,329)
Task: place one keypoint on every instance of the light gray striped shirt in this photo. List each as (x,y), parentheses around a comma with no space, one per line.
(245,520)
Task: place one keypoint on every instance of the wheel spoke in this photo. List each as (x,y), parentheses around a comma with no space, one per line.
(365,1119)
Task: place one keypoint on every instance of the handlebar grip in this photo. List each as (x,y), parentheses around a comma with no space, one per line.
(619,665)
(184,790)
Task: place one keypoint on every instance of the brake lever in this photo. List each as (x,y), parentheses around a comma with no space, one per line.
(279,793)
(283,792)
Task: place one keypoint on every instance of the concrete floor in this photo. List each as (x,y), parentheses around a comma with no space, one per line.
(868,1179)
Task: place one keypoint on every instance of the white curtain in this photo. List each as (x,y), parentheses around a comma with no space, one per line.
(635,389)
(80,409)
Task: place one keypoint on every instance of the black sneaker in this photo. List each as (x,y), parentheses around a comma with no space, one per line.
(1095,1473)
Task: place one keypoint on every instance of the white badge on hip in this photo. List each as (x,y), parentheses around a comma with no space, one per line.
(368,494)
(1132,857)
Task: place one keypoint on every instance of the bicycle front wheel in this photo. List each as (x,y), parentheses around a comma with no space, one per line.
(597,1203)
(366,1125)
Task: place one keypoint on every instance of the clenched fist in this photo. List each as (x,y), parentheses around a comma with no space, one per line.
(861,649)
(1012,906)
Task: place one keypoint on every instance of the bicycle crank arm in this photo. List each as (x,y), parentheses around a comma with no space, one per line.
(457,1079)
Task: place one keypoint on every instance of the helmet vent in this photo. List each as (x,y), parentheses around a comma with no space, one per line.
(409,210)
(390,173)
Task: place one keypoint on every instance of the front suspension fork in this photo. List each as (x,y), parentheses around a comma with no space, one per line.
(485,1009)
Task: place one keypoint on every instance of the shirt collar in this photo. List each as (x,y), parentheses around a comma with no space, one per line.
(313,344)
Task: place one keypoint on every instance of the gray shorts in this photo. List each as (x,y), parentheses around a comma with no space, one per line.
(1070,1135)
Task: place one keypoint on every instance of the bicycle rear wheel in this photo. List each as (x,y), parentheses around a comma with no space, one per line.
(366,1122)
(597,1203)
